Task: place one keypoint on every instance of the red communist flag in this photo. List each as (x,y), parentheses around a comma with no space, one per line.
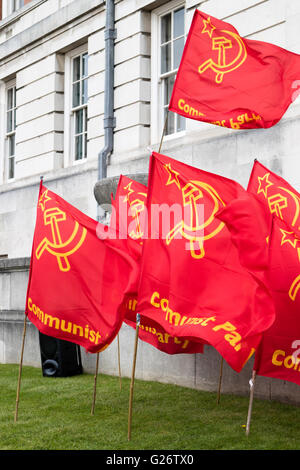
(276,196)
(128,214)
(279,352)
(77,282)
(231,81)
(280,203)
(192,282)
(129,217)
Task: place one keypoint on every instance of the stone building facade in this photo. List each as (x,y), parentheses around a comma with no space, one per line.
(52,95)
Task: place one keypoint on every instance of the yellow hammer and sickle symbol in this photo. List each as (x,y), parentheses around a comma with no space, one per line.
(276,203)
(136,207)
(193,230)
(61,250)
(294,288)
(222,43)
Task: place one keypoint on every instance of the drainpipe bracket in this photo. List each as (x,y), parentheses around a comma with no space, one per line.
(110,33)
(109,122)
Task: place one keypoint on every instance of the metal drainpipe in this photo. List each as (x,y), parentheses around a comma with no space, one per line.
(109,119)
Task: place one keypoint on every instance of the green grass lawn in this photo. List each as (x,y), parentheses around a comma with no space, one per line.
(55,414)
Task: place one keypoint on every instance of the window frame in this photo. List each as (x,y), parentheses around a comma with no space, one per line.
(70,110)
(157,82)
(9,133)
(6,7)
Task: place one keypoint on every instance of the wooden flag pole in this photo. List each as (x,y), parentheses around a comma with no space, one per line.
(24,335)
(119,363)
(20,369)
(95,385)
(132,375)
(252,383)
(220,380)
(164,131)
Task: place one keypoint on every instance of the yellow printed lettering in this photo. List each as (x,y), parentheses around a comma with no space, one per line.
(63,326)
(79,328)
(98,336)
(277,353)
(154,296)
(233,338)
(92,336)
(51,320)
(227,326)
(289,362)
(187,109)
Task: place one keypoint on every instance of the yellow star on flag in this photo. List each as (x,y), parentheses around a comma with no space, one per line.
(208,27)
(173,176)
(129,191)
(264,184)
(44,199)
(289,237)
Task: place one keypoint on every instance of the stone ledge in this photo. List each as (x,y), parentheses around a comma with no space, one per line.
(14,264)
(104,188)
(12,316)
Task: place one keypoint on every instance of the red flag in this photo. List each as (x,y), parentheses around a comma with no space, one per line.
(77,282)
(130,218)
(128,215)
(192,282)
(280,202)
(153,333)
(279,354)
(231,81)
(276,196)
(250,229)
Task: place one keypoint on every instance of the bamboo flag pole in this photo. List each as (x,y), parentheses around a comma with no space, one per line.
(24,331)
(95,385)
(20,369)
(220,380)
(164,131)
(252,383)
(119,363)
(133,374)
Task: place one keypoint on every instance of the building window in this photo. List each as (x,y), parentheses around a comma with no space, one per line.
(10,143)
(79,105)
(10,6)
(168,25)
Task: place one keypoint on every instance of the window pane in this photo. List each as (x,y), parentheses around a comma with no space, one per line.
(85,119)
(84,65)
(166,28)
(85,146)
(178,50)
(170,125)
(166,58)
(84,91)
(9,126)
(180,123)
(10,98)
(168,87)
(79,121)
(11,145)
(76,69)
(11,168)
(76,94)
(178,29)
(78,147)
